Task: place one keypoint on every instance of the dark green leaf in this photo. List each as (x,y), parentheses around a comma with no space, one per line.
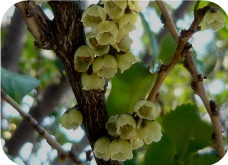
(161,153)
(129,87)
(168,47)
(187,130)
(203,160)
(16,85)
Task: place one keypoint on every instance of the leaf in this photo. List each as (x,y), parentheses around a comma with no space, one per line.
(132,161)
(152,39)
(162,152)
(16,85)
(168,47)
(187,130)
(129,87)
(203,160)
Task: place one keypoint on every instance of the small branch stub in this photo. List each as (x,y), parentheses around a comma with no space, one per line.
(214,108)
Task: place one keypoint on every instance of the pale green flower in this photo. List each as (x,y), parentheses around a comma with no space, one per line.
(99,49)
(115,8)
(83,58)
(134,5)
(145,109)
(101,148)
(136,142)
(94,16)
(124,45)
(125,60)
(92,81)
(111,125)
(107,33)
(71,119)
(105,66)
(214,19)
(150,131)
(127,21)
(125,125)
(120,149)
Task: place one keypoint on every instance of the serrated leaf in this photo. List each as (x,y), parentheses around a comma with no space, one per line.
(17,85)
(162,152)
(129,87)
(167,48)
(187,130)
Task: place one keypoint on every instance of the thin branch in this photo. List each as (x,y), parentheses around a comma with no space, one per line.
(51,141)
(183,49)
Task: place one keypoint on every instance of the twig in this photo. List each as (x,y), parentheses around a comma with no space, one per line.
(198,86)
(51,141)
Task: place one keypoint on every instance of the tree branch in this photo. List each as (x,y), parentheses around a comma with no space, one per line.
(51,141)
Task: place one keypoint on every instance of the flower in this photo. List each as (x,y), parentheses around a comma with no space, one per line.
(125,60)
(105,66)
(111,125)
(83,58)
(124,44)
(150,131)
(120,149)
(114,8)
(99,49)
(145,109)
(214,19)
(94,16)
(136,141)
(101,148)
(134,5)
(71,119)
(127,21)
(125,125)
(92,81)
(107,33)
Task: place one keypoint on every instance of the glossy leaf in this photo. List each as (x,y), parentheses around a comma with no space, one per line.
(187,130)
(129,87)
(17,85)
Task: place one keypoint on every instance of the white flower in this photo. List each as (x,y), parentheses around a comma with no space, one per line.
(136,141)
(145,109)
(101,148)
(150,131)
(71,119)
(83,58)
(126,125)
(105,66)
(120,149)
(92,81)
(214,19)
(111,125)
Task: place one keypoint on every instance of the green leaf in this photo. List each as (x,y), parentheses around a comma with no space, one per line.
(167,49)
(129,87)
(162,152)
(203,160)
(16,85)
(152,39)
(187,130)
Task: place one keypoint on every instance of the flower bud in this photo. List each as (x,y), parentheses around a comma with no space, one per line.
(83,58)
(99,49)
(120,149)
(107,33)
(101,148)
(145,109)
(125,125)
(214,19)
(105,66)
(125,60)
(71,119)
(114,9)
(92,81)
(111,125)
(150,131)
(94,16)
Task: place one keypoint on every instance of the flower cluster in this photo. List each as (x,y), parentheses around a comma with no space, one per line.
(214,19)
(108,43)
(129,132)
(71,119)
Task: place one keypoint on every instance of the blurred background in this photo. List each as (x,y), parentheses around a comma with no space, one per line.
(151,44)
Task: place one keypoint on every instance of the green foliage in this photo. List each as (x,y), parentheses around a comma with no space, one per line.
(203,160)
(187,130)
(16,85)
(129,87)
